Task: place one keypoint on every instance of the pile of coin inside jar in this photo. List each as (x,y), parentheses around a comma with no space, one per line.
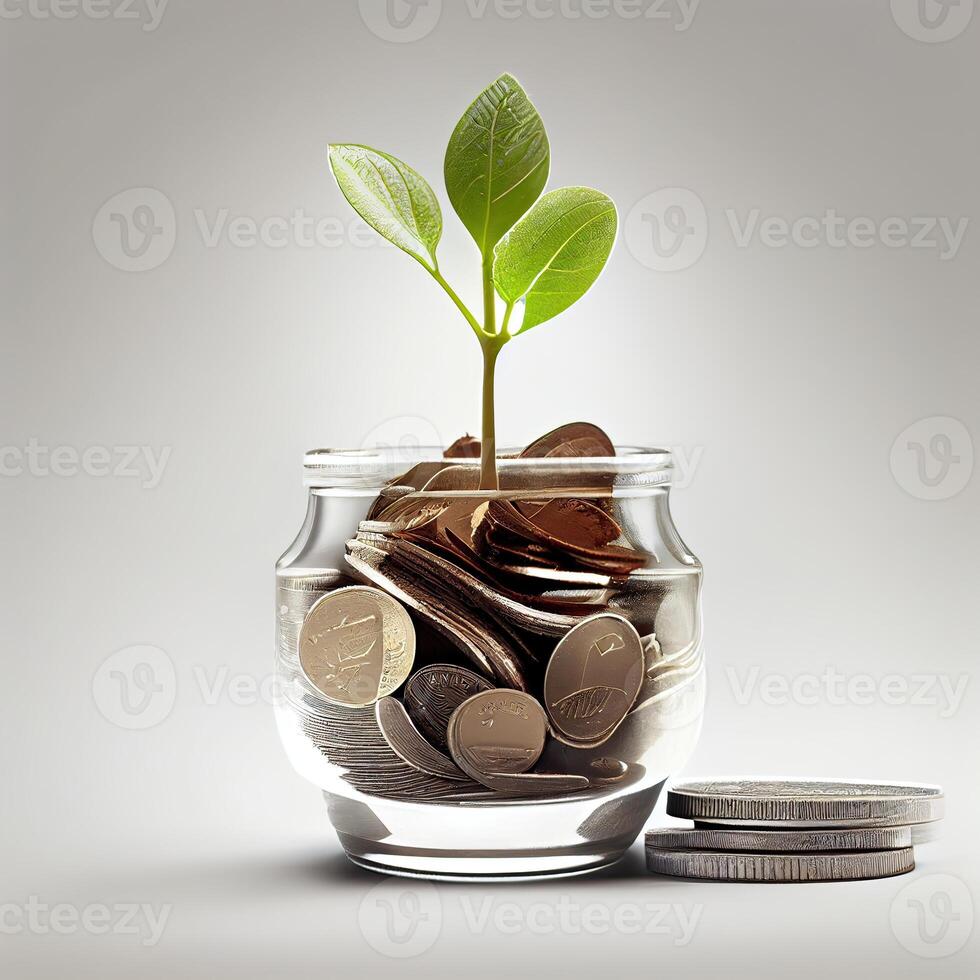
(792,830)
(541,666)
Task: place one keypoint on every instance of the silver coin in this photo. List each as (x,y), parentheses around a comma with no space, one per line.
(592,679)
(804,803)
(533,783)
(409,745)
(780,868)
(779,841)
(357,644)
(497,733)
(433,693)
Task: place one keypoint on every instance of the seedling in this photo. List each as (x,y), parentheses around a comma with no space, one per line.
(539,252)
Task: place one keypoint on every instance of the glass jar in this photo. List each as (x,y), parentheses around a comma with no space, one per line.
(391,818)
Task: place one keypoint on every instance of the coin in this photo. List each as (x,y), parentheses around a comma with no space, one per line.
(805,803)
(574,439)
(607,770)
(356,645)
(502,534)
(592,679)
(482,641)
(350,739)
(780,841)
(500,732)
(533,783)
(573,521)
(780,868)
(433,693)
(464,447)
(409,745)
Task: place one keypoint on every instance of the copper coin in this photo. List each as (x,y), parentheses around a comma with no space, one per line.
(593,678)
(499,732)
(466,447)
(433,693)
(574,439)
(356,645)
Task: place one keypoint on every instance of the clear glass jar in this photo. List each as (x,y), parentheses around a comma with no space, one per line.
(426,829)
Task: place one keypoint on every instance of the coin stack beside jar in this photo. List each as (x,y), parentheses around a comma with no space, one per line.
(792,830)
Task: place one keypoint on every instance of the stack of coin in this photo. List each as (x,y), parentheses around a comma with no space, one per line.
(792,830)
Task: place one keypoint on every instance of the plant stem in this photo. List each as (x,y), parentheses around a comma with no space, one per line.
(491,342)
(489,297)
(488,455)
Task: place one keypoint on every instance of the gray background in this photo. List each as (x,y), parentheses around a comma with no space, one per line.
(789,373)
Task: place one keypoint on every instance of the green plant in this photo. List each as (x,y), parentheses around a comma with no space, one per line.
(540,253)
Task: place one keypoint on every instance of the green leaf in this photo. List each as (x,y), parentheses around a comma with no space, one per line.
(497,161)
(555,252)
(391,197)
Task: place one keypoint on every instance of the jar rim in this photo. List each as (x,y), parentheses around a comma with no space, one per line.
(375,467)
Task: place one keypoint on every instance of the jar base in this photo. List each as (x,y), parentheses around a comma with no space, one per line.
(491,840)
(463,866)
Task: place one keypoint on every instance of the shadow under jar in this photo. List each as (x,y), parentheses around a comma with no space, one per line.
(389,815)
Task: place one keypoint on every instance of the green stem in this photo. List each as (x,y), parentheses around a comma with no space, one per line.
(489,298)
(488,456)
